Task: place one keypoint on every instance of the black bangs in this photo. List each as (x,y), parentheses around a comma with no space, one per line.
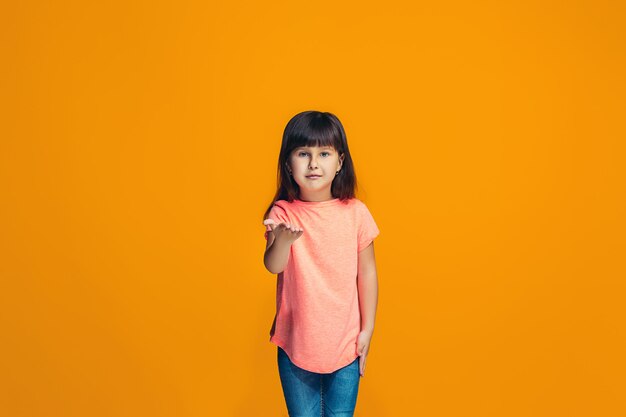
(316,131)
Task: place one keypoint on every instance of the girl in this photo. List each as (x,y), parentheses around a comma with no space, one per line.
(319,242)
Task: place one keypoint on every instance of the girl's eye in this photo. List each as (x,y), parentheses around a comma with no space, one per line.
(305,153)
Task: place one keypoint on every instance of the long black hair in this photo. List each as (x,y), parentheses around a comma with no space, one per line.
(314,128)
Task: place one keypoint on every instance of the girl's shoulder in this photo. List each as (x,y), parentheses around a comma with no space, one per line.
(356,203)
(282,203)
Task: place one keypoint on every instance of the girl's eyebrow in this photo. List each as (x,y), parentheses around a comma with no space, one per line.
(308,147)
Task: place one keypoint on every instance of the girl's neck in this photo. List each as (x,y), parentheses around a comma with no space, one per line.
(323,203)
(319,197)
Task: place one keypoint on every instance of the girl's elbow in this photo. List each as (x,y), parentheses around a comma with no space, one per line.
(272,269)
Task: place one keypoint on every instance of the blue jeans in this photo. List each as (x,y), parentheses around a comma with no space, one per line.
(309,394)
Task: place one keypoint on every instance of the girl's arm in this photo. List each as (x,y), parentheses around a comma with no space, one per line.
(279,242)
(367,281)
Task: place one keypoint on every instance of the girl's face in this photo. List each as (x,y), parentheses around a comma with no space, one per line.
(313,169)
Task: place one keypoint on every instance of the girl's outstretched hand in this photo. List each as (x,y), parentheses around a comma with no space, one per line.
(362,348)
(284,230)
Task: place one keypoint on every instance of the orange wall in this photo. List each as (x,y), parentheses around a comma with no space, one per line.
(138,153)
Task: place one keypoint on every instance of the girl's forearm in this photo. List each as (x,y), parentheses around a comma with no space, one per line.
(276,256)
(368,299)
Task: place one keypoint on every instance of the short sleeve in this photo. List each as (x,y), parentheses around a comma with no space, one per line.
(279,215)
(368,229)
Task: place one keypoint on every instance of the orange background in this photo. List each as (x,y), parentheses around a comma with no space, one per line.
(138,153)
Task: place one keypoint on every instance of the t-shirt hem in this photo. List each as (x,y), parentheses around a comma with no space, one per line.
(279,343)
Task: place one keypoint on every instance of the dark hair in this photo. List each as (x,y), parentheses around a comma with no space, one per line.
(314,128)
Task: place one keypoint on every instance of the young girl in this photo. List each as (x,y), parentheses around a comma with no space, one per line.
(319,242)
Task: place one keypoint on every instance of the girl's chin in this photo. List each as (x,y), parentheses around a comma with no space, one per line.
(312,186)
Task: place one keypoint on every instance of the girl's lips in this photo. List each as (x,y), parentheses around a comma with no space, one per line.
(313,176)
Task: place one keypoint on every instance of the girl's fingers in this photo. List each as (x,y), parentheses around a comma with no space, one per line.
(362,364)
(291,227)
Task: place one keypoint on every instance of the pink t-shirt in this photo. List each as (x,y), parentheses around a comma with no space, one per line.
(317,319)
